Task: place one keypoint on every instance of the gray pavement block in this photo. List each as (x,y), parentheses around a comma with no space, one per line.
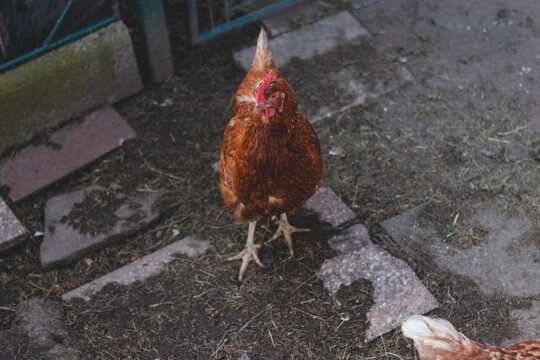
(284,21)
(11,231)
(309,41)
(73,229)
(398,293)
(74,146)
(143,268)
(329,206)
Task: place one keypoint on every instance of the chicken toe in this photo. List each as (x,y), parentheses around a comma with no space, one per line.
(249,253)
(286,229)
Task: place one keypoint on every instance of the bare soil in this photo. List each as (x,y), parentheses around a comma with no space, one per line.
(415,144)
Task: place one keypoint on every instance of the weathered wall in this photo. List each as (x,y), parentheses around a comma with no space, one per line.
(97,69)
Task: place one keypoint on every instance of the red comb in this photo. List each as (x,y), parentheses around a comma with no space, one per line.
(266,82)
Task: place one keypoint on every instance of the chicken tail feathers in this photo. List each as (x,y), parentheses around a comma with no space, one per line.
(435,338)
(263,55)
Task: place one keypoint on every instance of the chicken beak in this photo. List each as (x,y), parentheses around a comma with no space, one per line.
(259,107)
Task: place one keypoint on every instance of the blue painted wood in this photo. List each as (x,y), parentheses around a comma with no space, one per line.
(48,45)
(197,36)
(58,22)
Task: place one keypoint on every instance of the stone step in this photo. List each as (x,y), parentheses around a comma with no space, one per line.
(139,270)
(398,293)
(11,231)
(69,148)
(309,41)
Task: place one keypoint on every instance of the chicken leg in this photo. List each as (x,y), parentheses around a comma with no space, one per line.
(286,230)
(249,253)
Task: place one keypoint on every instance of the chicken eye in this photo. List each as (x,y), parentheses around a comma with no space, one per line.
(273,95)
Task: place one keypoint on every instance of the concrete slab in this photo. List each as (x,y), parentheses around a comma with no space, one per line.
(285,21)
(80,222)
(329,206)
(97,69)
(69,148)
(508,238)
(398,293)
(309,41)
(11,231)
(143,268)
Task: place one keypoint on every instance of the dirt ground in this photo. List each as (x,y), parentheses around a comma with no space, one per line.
(428,140)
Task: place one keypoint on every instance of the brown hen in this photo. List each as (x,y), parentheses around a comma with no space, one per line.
(270,161)
(437,339)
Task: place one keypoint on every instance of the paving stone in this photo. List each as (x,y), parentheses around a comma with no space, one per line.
(398,293)
(73,230)
(37,328)
(69,148)
(11,230)
(143,268)
(309,41)
(215,166)
(284,21)
(329,206)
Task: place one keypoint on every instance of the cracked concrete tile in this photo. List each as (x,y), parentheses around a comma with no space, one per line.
(80,222)
(398,293)
(143,268)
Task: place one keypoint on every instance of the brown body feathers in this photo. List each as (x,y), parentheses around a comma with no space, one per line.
(268,165)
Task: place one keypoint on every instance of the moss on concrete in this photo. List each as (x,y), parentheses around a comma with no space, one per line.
(77,77)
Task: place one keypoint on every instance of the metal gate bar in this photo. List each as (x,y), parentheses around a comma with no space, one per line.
(193,22)
(47,45)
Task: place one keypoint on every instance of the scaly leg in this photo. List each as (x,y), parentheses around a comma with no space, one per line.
(286,229)
(249,253)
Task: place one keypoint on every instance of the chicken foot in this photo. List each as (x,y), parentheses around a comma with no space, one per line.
(249,253)
(286,229)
